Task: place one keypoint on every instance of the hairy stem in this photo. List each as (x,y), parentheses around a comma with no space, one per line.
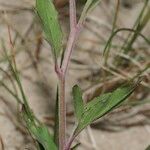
(72,36)
(61,106)
(62,71)
(62,113)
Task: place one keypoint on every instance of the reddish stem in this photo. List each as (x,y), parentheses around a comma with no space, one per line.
(61,72)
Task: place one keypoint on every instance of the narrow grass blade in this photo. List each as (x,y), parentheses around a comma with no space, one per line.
(49,18)
(13,93)
(19,84)
(106,48)
(143,22)
(10,92)
(78,102)
(89,5)
(136,23)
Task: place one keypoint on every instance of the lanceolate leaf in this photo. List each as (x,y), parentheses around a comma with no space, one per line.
(101,105)
(49,18)
(78,102)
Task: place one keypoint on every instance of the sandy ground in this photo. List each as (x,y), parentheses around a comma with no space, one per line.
(40,84)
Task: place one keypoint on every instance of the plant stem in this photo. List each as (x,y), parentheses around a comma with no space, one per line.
(62,71)
(69,49)
(74,30)
(71,139)
(61,109)
(62,113)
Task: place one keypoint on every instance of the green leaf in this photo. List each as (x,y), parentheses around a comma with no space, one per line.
(42,135)
(39,132)
(103,104)
(78,102)
(49,18)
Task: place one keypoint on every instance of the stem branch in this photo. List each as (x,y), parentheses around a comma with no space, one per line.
(62,71)
(74,30)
